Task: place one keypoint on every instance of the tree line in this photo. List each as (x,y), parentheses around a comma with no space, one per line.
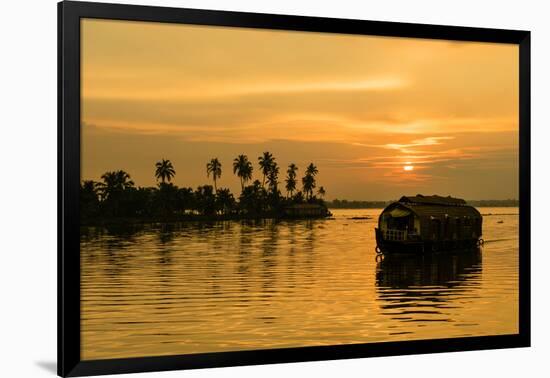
(117,196)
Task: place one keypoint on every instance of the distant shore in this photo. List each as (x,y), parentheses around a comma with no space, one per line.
(345,204)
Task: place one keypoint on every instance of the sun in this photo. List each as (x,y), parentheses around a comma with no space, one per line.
(408,167)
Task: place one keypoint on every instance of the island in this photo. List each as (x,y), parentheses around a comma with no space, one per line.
(117,200)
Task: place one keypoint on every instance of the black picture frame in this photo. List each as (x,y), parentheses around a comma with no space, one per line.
(69,15)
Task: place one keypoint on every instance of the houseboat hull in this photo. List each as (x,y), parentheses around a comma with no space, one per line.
(422,246)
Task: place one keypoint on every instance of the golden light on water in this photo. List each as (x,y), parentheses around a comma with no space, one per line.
(450,295)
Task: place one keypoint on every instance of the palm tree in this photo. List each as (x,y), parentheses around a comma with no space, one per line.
(273,177)
(214,167)
(312,169)
(321,191)
(112,189)
(291,178)
(265,161)
(308,183)
(165,170)
(89,187)
(114,182)
(242,167)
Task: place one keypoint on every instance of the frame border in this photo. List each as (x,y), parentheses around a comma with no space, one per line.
(68,324)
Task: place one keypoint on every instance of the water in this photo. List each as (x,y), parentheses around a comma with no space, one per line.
(235,285)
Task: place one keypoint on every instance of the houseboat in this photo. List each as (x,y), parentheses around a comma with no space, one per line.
(419,224)
(306,210)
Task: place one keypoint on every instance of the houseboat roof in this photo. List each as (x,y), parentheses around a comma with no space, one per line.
(439,212)
(419,199)
(432,206)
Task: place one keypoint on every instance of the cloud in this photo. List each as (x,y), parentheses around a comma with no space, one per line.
(433,158)
(227,92)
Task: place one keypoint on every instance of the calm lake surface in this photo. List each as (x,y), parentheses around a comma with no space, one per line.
(235,285)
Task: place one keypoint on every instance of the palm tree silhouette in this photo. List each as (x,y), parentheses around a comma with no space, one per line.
(308,183)
(112,189)
(242,167)
(90,186)
(116,195)
(114,182)
(165,170)
(273,177)
(321,191)
(266,162)
(312,169)
(291,178)
(214,167)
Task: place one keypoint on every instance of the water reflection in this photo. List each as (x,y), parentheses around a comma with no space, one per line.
(427,284)
(212,286)
(402,271)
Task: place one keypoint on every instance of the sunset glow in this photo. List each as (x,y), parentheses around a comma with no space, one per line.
(359,106)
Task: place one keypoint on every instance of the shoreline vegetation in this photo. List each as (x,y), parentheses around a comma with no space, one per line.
(117,200)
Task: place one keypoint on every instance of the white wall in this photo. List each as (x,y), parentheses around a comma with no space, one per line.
(28,185)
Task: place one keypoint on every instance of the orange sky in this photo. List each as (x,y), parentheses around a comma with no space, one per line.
(361,108)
